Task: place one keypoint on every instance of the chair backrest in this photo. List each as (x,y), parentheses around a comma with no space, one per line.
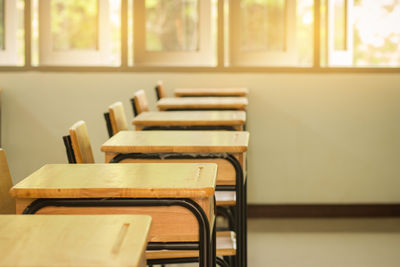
(81,143)
(7,203)
(117,117)
(139,102)
(160,90)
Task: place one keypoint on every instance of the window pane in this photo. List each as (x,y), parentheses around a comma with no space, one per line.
(262,25)
(305,32)
(172,25)
(1,24)
(376,33)
(74,24)
(340,24)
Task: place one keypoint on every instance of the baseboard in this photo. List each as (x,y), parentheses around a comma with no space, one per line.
(323,211)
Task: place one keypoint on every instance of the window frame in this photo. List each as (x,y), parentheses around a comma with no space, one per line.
(9,56)
(258,58)
(201,57)
(221,57)
(49,57)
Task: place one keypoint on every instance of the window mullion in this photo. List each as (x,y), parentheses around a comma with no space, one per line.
(317,34)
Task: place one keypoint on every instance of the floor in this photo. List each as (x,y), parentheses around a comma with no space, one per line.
(323,243)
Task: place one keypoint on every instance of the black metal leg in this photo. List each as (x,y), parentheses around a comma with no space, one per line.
(240,205)
(205,254)
(222,262)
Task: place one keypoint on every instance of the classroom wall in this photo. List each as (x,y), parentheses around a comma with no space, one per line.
(315,138)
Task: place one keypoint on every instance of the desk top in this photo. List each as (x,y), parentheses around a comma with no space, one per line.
(211,92)
(169,180)
(239,103)
(191,118)
(73,240)
(177,142)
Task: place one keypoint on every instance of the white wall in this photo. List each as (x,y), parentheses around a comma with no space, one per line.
(315,138)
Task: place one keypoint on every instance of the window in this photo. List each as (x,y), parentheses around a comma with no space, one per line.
(74,32)
(200,34)
(362,33)
(174,32)
(267,32)
(8,32)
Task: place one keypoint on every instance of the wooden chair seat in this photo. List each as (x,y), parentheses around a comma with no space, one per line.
(226,246)
(225,198)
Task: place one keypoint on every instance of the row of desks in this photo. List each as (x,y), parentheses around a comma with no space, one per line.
(151,186)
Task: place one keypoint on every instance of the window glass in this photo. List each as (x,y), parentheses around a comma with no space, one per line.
(305,32)
(1,24)
(172,25)
(262,25)
(74,24)
(376,33)
(340,24)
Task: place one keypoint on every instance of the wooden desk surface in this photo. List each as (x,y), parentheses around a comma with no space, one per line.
(183,118)
(211,92)
(239,103)
(73,240)
(119,180)
(177,142)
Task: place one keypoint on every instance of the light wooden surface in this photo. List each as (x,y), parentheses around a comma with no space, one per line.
(161,89)
(118,180)
(117,117)
(177,142)
(81,143)
(226,246)
(170,224)
(73,241)
(7,204)
(141,102)
(191,118)
(179,92)
(239,103)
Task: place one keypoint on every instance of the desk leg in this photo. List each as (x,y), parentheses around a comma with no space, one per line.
(238,188)
(205,254)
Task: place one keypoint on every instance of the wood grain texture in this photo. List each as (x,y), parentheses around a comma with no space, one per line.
(170,224)
(226,174)
(7,203)
(141,102)
(117,117)
(74,241)
(118,180)
(180,92)
(81,143)
(191,118)
(239,103)
(161,89)
(226,246)
(177,142)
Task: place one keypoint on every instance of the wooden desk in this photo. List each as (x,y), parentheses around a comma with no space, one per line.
(73,240)
(227,149)
(229,120)
(179,197)
(202,103)
(194,92)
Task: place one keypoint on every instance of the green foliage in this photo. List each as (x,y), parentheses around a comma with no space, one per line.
(74,24)
(172,25)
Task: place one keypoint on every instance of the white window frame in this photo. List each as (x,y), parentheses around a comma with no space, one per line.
(100,56)
(202,57)
(238,57)
(337,58)
(9,56)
